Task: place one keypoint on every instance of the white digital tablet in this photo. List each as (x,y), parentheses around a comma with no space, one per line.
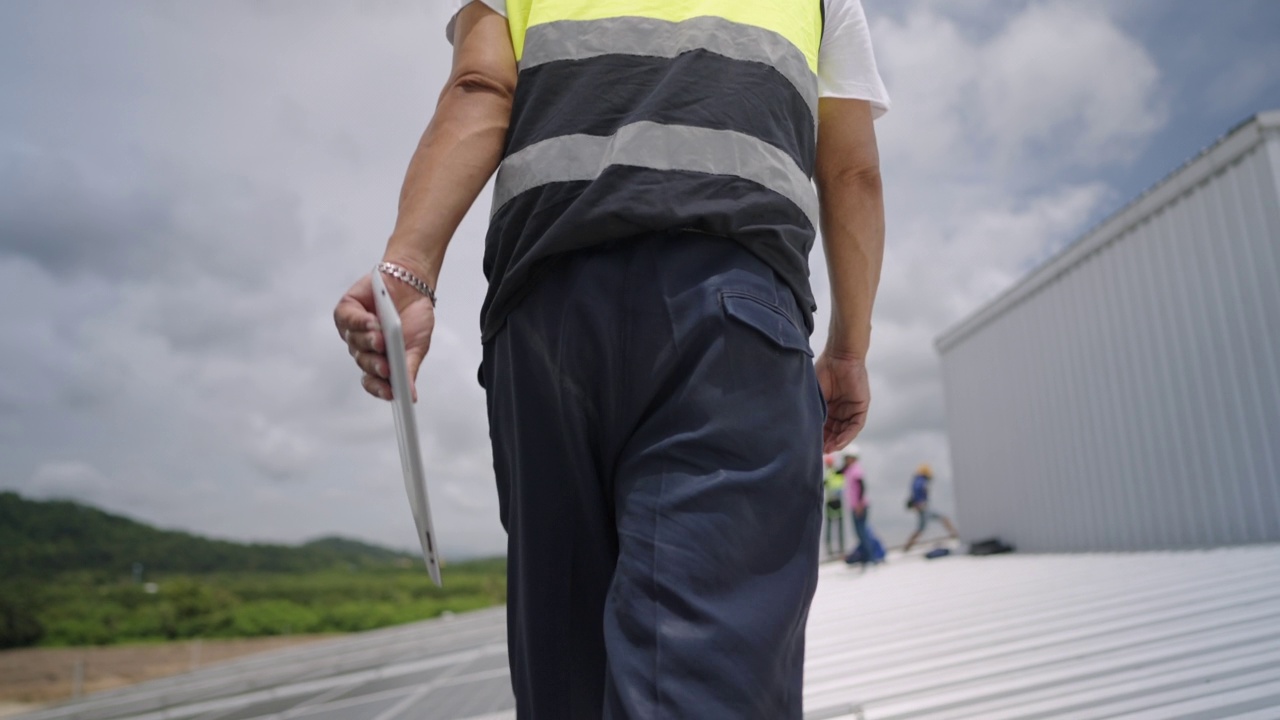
(415,484)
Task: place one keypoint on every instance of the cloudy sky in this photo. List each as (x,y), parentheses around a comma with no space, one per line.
(186,190)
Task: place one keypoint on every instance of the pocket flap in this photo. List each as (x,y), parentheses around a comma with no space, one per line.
(767,319)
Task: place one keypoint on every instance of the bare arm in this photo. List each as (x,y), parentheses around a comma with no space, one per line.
(461,147)
(458,153)
(852,202)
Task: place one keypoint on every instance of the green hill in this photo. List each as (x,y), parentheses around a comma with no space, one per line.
(43,539)
(66,578)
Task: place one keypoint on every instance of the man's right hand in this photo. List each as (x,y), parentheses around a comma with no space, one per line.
(847,390)
(357,324)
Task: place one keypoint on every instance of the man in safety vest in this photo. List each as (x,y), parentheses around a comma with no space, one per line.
(663,168)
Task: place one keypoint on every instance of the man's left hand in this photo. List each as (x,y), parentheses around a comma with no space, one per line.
(847,390)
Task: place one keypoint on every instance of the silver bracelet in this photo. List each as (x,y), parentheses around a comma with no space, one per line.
(408,278)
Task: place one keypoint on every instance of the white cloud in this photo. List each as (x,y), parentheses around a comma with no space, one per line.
(931,70)
(1059,85)
(281,452)
(1067,81)
(69,479)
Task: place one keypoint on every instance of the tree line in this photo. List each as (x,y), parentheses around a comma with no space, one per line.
(43,539)
(75,575)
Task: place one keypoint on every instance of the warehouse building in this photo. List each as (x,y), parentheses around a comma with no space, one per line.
(1126,395)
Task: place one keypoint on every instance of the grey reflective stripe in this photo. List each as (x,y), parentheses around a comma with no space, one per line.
(585,39)
(571,158)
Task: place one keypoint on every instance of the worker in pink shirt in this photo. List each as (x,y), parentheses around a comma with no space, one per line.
(856,500)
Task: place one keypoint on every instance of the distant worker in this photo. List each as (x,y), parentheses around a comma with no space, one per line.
(833,482)
(855,490)
(919,502)
(869,548)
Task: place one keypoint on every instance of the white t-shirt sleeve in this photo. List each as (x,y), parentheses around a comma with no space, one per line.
(847,63)
(455,7)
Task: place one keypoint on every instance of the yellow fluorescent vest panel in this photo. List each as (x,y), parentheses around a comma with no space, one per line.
(789,18)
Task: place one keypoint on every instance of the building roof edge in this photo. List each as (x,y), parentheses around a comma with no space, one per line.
(1223,151)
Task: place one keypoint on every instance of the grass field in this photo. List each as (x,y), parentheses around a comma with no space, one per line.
(82,609)
(124,601)
(122,632)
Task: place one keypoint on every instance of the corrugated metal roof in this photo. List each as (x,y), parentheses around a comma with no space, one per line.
(1143,635)
(450,668)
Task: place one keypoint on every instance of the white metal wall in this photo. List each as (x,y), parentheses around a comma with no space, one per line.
(1127,395)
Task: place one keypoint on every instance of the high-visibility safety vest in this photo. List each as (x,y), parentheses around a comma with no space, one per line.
(834,483)
(640,116)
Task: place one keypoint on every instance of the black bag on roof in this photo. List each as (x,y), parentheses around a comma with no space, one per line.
(992,546)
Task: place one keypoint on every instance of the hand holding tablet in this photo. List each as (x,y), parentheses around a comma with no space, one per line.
(406,424)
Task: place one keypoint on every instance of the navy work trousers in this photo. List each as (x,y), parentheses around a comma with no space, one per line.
(656,427)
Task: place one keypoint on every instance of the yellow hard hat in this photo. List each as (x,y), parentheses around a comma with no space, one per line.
(925,470)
